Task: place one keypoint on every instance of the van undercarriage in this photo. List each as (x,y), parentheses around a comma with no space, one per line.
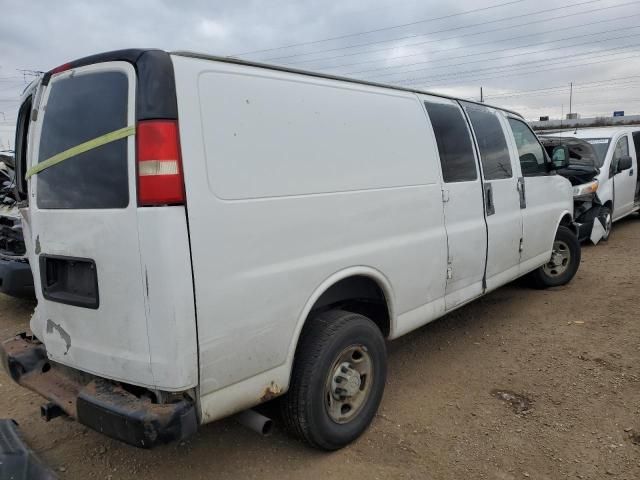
(120,411)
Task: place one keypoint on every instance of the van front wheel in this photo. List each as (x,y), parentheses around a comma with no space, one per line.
(338,378)
(563,264)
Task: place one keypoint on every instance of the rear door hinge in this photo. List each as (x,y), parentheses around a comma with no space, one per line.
(449,268)
(445,195)
(521,248)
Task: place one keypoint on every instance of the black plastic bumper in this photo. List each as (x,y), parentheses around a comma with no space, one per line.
(100,404)
(16,278)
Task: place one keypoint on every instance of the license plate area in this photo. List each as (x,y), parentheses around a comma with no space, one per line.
(69,280)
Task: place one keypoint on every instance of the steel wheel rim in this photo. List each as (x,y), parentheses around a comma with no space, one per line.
(560,259)
(348,384)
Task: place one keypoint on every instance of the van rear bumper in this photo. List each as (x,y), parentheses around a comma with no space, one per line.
(100,404)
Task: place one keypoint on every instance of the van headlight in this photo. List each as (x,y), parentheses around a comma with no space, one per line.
(585,190)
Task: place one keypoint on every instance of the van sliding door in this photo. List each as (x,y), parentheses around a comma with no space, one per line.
(502,198)
(463,206)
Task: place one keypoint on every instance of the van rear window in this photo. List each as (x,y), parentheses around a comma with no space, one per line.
(81,108)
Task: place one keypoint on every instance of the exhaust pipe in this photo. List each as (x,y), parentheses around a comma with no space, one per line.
(255,421)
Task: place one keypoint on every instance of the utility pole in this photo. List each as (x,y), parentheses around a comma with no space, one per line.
(570,96)
(481,96)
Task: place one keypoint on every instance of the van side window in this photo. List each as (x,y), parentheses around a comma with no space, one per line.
(622,150)
(533,160)
(454,142)
(494,154)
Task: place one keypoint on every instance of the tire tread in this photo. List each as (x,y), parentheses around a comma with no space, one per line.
(315,334)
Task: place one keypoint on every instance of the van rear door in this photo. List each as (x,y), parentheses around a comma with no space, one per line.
(113,280)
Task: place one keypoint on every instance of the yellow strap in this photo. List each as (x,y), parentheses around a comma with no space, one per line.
(83,147)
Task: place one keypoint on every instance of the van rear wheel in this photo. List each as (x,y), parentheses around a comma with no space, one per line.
(338,379)
(563,264)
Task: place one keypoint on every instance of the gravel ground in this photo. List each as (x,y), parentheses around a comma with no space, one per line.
(520,384)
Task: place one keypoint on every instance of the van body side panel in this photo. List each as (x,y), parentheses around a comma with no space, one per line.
(289,180)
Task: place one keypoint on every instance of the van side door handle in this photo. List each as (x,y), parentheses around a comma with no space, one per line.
(488,199)
(522,193)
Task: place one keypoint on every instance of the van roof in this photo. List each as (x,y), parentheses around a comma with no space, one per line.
(593,132)
(134,56)
(281,68)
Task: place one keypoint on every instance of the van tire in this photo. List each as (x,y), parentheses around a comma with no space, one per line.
(566,242)
(324,340)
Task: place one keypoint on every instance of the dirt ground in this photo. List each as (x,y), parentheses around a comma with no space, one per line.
(520,384)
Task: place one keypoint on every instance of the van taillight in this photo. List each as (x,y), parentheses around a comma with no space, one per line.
(159,164)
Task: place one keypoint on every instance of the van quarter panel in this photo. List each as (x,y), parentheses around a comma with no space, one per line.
(300,175)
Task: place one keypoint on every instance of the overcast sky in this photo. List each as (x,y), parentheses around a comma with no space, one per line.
(508,47)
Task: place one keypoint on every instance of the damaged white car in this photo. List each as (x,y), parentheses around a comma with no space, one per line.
(602,166)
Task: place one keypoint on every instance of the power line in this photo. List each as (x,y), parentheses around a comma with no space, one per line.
(618,86)
(628,100)
(607,81)
(434,32)
(349,35)
(504,57)
(499,50)
(516,66)
(528,72)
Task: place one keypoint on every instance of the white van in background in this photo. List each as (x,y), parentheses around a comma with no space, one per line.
(207,234)
(611,189)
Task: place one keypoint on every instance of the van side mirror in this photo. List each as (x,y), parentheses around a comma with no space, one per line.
(560,157)
(624,163)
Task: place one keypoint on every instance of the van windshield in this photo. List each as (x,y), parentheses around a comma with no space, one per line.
(80,108)
(600,146)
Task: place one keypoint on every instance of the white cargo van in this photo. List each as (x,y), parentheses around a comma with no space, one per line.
(208,234)
(609,189)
